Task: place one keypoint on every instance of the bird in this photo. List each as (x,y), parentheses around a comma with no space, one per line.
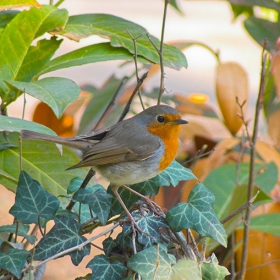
(128,152)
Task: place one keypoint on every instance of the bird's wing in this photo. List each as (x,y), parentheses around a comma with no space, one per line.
(120,146)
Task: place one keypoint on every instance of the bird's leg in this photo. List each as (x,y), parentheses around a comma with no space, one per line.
(154,206)
(133,223)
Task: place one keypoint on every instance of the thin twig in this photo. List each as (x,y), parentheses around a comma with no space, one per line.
(40,228)
(112,101)
(78,247)
(242,116)
(135,63)
(127,106)
(90,174)
(232,262)
(157,263)
(24,104)
(252,163)
(185,246)
(200,153)
(240,209)
(194,244)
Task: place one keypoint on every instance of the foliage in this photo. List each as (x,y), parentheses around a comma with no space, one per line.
(46,194)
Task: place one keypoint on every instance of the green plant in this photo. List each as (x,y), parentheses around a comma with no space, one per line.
(78,208)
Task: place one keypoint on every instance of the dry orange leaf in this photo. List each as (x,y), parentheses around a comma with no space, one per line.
(43,114)
(263,248)
(231,83)
(273,125)
(276,72)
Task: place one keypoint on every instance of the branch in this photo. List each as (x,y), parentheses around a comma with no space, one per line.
(112,102)
(252,164)
(78,247)
(135,62)
(127,106)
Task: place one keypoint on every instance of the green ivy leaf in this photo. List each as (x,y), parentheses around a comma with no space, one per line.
(53,243)
(74,185)
(14,261)
(198,214)
(108,245)
(98,199)
(33,201)
(102,268)
(172,175)
(149,224)
(58,93)
(82,26)
(155,263)
(211,270)
(19,229)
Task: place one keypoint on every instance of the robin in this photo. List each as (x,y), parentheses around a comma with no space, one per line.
(129,152)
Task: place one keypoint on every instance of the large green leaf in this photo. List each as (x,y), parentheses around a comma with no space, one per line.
(9,4)
(6,17)
(58,93)
(268,223)
(155,263)
(16,125)
(42,160)
(261,29)
(14,261)
(103,268)
(89,54)
(104,25)
(222,181)
(17,37)
(64,235)
(262,3)
(198,214)
(33,201)
(36,57)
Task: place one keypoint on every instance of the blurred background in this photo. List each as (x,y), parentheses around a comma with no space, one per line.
(208,22)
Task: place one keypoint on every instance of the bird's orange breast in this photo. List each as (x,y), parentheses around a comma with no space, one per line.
(168,133)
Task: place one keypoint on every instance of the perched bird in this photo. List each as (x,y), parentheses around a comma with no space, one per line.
(129,152)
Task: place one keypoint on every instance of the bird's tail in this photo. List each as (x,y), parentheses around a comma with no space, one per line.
(76,144)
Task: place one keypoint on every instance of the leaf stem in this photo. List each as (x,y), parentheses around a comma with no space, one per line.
(78,247)
(259,105)
(135,63)
(127,106)
(162,88)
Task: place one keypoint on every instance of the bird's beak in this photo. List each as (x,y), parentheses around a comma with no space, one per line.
(180,121)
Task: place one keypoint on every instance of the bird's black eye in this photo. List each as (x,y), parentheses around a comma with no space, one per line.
(160,118)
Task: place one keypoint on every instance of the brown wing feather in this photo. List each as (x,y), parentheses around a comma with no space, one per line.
(120,146)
